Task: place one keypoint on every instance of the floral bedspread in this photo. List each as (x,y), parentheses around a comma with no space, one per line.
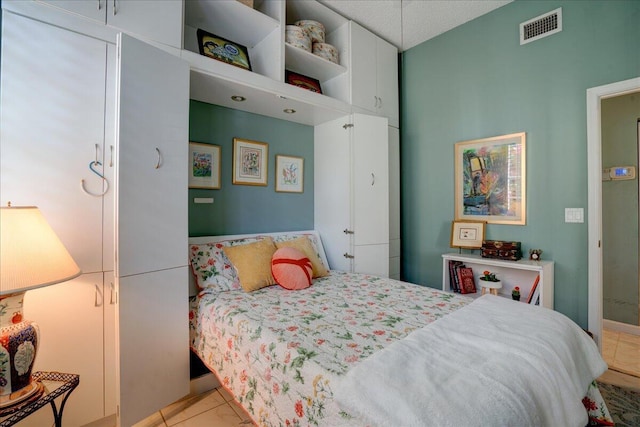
(280,352)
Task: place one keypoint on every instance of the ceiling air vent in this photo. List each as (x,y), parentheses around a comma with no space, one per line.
(541,26)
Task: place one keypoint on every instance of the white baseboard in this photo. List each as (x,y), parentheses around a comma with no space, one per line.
(203,383)
(612,325)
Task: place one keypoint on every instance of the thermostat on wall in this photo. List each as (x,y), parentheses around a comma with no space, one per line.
(619,173)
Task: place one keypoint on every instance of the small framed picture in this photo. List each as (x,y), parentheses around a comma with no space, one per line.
(223,50)
(302,81)
(204,166)
(289,174)
(250,160)
(467,234)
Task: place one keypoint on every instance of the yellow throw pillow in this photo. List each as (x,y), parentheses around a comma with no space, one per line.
(253,263)
(303,244)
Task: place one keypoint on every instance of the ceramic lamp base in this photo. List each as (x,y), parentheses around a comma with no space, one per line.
(19,341)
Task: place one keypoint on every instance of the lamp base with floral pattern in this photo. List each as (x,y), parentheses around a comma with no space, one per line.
(19,341)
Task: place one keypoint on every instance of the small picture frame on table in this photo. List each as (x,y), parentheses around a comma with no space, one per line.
(250,160)
(467,234)
(289,174)
(204,166)
(304,82)
(223,50)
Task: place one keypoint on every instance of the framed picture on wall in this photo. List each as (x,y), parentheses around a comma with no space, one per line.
(204,166)
(289,174)
(250,161)
(490,179)
(467,234)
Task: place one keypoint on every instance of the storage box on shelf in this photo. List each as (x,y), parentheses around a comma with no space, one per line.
(333,77)
(521,273)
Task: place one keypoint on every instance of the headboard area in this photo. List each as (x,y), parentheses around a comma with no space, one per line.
(193,290)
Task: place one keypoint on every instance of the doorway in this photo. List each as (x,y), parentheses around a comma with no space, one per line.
(595,97)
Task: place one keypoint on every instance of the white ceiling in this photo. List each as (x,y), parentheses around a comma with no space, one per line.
(407,23)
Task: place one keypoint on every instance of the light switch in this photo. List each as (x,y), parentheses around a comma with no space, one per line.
(573,215)
(203,200)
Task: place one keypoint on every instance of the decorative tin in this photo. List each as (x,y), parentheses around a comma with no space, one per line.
(298,37)
(314,28)
(510,251)
(326,51)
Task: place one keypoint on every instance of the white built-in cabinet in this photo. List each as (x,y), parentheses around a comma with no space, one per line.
(351,184)
(160,22)
(84,103)
(374,74)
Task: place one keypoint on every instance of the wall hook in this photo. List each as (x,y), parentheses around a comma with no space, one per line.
(106,183)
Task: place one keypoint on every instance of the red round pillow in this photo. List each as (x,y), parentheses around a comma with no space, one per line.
(291,268)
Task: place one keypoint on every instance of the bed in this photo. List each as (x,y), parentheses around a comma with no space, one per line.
(355,349)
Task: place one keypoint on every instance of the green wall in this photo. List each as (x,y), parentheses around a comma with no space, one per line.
(476,81)
(239,209)
(620,288)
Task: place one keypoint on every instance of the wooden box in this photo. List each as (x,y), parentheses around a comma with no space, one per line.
(511,251)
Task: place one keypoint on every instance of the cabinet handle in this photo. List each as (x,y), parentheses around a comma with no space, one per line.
(99,299)
(99,7)
(380,103)
(373,179)
(111,159)
(347,231)
(375,101)
(346,255)
(114,294)
(159,158)
(97,155)
(114,8)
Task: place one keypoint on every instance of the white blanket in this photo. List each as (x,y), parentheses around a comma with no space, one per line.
(495,362)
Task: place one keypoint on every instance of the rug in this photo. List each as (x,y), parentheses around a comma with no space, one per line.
(623,404)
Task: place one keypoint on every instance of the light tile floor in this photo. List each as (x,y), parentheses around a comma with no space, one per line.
(217,408)
(621,351)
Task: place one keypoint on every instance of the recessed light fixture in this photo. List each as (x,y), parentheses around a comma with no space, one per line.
(238,98)
(289,110)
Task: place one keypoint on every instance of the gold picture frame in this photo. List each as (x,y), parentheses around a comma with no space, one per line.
(490,179)
(250,162)
(467,234)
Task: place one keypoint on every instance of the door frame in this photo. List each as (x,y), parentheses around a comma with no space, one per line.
(594,183)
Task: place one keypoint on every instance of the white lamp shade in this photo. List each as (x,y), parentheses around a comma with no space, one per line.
(31,254)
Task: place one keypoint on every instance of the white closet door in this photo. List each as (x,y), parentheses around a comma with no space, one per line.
(332,187)
(370,180)
(151,230)
(363,68)
(151,166)
(387,81)
(70,318)
(153,351)
(52,128)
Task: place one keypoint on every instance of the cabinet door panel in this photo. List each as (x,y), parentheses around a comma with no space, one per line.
(52,120)
(332,187)
(372,259)
(363,68)
(159,21)
(153,334)
(94,9)
(151,164)
(70,317)
(387,81)
(370,180)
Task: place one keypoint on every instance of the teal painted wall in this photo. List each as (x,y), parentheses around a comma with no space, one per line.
(476,81)
(239,209)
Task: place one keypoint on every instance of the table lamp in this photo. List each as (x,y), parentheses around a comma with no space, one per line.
(31,256)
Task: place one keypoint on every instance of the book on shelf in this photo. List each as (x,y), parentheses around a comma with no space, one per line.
(466,281)
(534,292)
(453,275)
